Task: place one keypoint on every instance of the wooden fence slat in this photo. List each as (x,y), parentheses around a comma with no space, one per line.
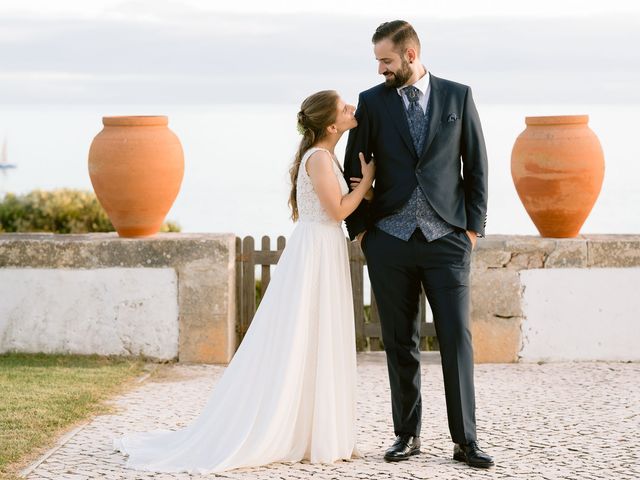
(265,274)
(239,303)
(357,285)
(375,340)
(248,283)
(375,313)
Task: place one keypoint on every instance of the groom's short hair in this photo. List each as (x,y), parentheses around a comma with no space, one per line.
(401,34)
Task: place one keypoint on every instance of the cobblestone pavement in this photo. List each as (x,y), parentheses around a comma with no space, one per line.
(548,421)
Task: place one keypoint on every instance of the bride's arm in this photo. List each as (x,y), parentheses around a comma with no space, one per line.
(326,186)
(354,183)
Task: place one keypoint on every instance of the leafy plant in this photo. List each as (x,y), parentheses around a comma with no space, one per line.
(58,211)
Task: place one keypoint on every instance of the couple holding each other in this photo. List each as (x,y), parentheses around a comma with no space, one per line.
(289,392)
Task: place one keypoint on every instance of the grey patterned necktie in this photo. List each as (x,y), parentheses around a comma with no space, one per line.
(416,117)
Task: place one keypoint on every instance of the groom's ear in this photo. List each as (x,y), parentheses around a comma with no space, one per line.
(411,54)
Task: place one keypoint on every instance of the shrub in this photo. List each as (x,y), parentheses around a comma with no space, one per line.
(58,211)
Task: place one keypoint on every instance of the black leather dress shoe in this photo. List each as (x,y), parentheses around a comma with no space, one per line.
(471,454)
(403,448)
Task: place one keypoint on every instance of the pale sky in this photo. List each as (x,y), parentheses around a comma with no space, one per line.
(197,51)
(435,8)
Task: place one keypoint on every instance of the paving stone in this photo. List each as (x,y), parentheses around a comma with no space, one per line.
(540,421)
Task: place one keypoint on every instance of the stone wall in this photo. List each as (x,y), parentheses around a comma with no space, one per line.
(173,296)
(542,299)
(170,296)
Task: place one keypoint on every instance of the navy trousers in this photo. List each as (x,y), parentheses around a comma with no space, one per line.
(398,270)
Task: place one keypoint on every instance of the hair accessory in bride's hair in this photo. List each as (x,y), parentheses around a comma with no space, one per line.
(300,126)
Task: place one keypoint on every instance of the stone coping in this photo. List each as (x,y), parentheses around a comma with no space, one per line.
(90,250)
(586,251)
(166,249)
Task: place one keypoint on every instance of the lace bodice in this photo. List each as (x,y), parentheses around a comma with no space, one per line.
(309,207)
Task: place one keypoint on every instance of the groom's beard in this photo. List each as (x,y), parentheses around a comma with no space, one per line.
(399,78)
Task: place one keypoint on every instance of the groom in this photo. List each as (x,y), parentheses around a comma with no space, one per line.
(419,230)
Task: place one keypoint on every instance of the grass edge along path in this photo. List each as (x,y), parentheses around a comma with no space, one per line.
(44,396)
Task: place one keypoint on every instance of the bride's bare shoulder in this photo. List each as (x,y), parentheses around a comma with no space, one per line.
(319,160)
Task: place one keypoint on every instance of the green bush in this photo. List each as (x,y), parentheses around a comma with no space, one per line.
(58,211)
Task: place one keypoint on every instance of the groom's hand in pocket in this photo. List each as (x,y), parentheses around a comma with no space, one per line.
(473,236)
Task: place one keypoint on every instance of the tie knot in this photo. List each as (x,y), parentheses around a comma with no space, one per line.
(412,93)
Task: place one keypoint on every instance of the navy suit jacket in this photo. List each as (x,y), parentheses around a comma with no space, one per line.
(452,170)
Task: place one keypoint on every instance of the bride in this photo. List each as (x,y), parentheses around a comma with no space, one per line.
(289,392)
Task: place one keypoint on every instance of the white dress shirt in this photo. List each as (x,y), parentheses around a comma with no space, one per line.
(424,86)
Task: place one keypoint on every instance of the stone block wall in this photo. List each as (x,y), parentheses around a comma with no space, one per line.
(166,297)
(542,299)
(173,296)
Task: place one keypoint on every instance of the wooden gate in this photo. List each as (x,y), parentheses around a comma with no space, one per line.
(251,287)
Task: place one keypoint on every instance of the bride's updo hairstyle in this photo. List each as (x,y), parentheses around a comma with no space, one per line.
(317,112)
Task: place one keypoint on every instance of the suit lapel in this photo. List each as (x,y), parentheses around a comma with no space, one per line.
(436,100)
(396,109)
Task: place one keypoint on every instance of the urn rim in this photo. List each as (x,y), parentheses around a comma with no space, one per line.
(135,121)
(558,120)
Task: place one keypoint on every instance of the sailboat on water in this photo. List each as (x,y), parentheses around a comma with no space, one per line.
(4,159)
(5,166)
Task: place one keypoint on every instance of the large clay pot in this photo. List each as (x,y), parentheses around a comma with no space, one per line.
(557,167)
(136,167)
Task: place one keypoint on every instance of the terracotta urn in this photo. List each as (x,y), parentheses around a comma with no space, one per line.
(557,166)
(136,165)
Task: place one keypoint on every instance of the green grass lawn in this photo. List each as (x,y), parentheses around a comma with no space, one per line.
(41,396)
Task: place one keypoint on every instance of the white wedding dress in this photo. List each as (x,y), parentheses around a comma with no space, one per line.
(289,392)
